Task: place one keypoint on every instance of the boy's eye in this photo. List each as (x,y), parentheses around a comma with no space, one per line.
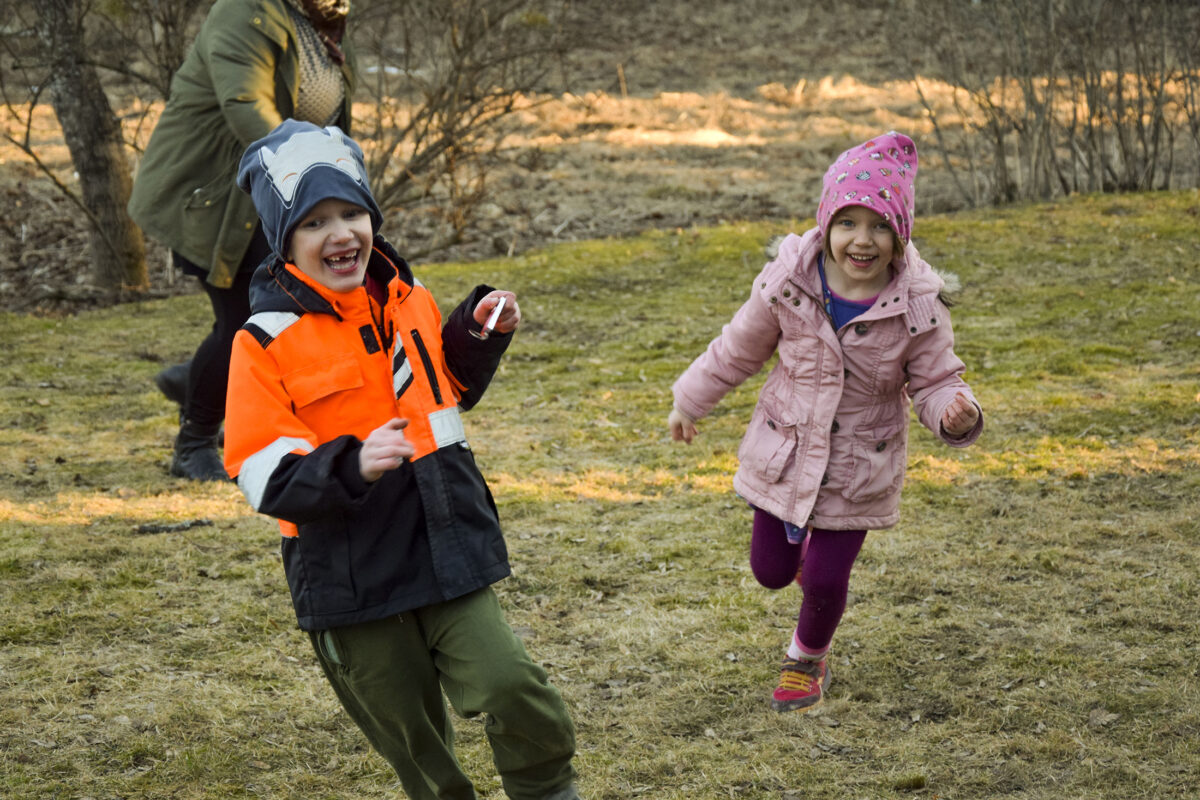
(311,223)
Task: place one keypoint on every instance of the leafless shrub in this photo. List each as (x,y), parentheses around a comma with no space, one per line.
(444,78)
(145,41)
(1051,97)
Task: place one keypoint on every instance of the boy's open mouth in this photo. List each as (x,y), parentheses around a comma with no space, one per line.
(344,262)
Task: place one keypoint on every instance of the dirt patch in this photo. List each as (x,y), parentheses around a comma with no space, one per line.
(672,115)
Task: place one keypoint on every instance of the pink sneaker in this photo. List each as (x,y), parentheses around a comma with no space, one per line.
(802,685)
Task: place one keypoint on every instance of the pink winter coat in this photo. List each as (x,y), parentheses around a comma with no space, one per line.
(826,444)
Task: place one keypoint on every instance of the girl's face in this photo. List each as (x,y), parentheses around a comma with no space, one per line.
(332,243)
(861,246)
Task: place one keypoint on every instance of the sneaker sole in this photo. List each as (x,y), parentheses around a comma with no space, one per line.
(796,706)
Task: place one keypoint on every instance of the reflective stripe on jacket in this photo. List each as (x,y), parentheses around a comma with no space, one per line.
(313,372)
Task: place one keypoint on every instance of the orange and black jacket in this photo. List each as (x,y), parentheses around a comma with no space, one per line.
(312,373)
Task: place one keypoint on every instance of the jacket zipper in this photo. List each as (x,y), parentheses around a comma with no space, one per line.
(428,362)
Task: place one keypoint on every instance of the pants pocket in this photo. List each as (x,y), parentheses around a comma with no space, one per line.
(327,644)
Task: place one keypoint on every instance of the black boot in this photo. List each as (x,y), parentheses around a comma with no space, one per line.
(196,456)
(173,382)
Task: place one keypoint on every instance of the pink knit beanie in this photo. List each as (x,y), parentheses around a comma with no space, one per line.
(877,174)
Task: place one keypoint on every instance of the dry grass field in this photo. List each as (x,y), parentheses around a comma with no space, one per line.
(1028,630)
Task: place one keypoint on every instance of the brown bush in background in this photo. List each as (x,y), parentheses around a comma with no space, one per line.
(1053,97)
(443,79)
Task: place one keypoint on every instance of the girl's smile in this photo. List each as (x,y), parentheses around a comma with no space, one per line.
(861,246)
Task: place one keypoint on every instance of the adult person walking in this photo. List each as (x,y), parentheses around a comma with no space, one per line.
(254,63)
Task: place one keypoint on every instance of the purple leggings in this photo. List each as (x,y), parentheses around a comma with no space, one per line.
(825,578)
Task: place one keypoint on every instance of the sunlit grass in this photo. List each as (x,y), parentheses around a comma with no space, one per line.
(82,508)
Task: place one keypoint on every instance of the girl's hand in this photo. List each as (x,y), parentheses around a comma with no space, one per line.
(384,449)
(510,315)
(960,416)
(682,428)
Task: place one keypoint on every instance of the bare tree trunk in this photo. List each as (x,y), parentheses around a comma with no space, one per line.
(93,136)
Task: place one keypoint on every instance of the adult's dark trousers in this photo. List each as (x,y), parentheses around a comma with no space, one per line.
(394,675)
(208,376)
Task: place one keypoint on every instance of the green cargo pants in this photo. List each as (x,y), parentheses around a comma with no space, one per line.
(390,675)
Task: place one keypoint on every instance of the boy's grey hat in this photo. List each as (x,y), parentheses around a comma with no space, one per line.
(295,167)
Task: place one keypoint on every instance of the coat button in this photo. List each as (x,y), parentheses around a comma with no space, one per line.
(774,299)
(861,329)
(796,302)
(879,448)
(913,329)
(787,293)
(836,427)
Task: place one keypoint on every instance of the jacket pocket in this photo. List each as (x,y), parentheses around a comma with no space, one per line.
(787,397)
(203,213)
(317,565)
(768,446)
(317,381)
(879,456)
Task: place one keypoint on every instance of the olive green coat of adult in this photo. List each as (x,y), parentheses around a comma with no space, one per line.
(239,81)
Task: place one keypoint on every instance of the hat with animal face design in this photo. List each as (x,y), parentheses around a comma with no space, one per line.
(295,167)
(878,174)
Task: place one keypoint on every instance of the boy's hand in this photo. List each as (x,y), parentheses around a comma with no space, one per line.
(682,428)
(385,448)
(960,417)
(510,316)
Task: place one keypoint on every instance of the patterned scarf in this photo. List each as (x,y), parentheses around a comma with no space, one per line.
(328,18)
